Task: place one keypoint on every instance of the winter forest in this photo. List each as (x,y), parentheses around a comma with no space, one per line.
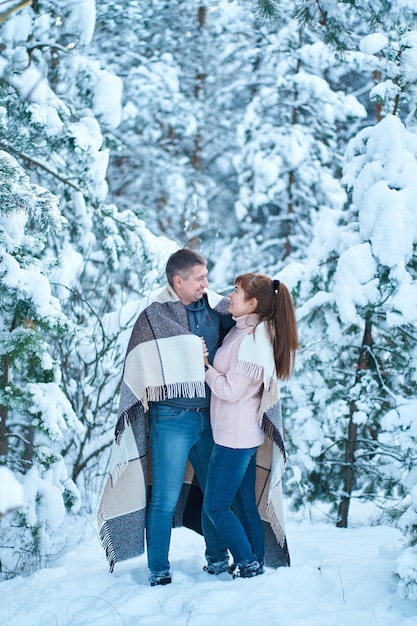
(271,136)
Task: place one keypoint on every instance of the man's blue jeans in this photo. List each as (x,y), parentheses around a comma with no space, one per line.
(231,480)
(176,434)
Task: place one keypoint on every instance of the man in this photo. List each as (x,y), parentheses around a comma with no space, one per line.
(164,375)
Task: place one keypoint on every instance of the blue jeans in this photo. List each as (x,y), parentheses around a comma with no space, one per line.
(231,481)
(175,435)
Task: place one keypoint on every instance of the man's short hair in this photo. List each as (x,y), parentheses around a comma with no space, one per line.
(181,264)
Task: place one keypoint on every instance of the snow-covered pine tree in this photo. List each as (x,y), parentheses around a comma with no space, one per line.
(378,435)
(405,517)
(188,76)
(358,323)
(317,432)
(34,412)
(102,259)
(154,164)
(291,144)
(397,94)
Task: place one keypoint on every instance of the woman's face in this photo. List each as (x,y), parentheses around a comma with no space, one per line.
(239,305)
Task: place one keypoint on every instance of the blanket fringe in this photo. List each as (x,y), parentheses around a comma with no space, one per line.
(275,524)
(278,473)
(122,422)
(191,389)
(253,370)
(273,433)
(270,397)
(117,471)
(107,543)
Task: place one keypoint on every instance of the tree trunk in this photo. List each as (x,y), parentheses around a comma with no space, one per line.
(350,445)
(3,409)
(193,241)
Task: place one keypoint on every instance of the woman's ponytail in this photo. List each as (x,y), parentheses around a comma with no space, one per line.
(283,332)
(276,308)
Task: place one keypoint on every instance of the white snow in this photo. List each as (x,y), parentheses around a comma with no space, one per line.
(338,577)
(108,109)
(355,281)
(372,44)
(81,20)
(11,491)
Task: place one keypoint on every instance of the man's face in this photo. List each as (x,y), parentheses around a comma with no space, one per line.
(191,289)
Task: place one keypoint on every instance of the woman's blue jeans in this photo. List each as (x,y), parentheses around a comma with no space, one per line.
(231,481)
(175,435)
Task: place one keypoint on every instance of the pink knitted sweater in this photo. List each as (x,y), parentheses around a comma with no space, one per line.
(235,397)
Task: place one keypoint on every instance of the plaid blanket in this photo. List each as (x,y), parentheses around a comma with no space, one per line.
(151,373)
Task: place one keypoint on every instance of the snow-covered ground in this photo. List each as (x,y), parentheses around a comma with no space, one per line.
(338,577)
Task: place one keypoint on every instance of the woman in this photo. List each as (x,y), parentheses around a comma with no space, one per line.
(243,379)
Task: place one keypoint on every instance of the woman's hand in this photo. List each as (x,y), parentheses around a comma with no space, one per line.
(205,351)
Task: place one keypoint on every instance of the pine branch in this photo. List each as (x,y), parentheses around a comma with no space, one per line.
(268,9)
(17,436)
(38,164)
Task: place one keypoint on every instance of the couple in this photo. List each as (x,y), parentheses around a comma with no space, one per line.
(178,377)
